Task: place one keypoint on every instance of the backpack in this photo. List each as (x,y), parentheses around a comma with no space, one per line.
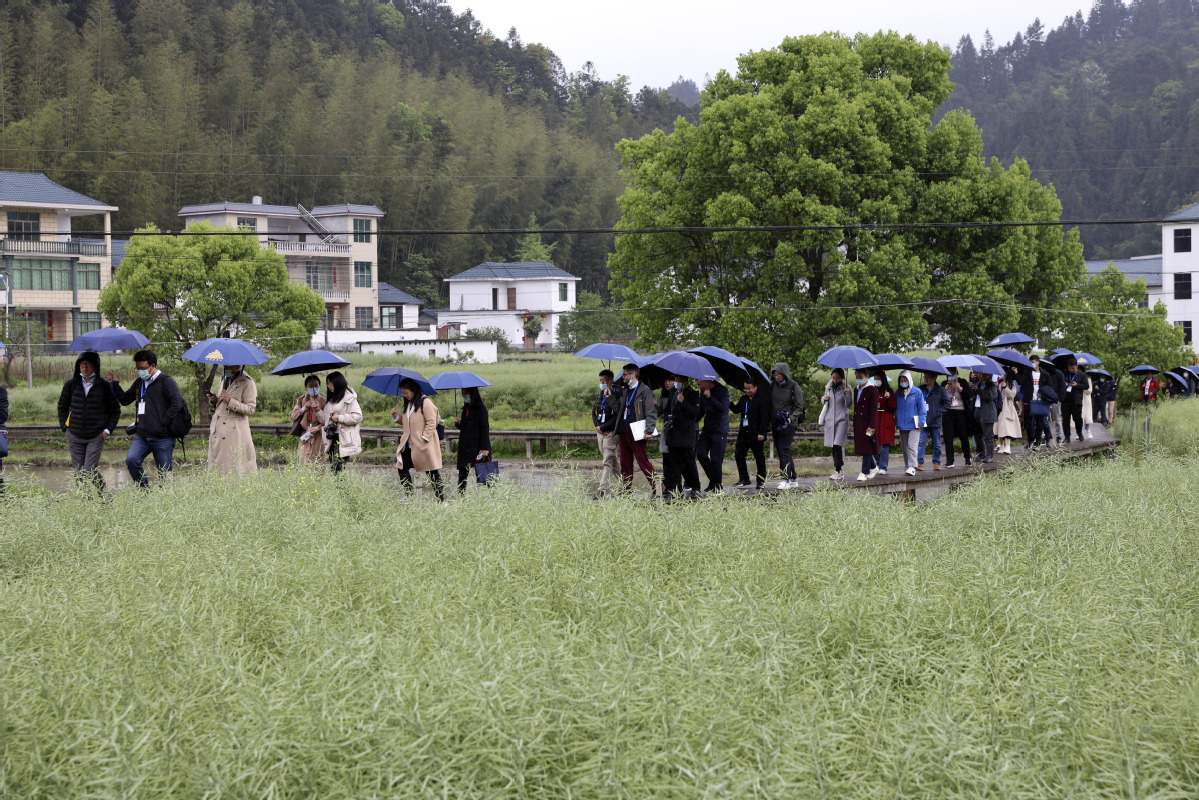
(180,424)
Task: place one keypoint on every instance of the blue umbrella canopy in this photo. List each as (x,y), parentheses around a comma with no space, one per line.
(688,365)
(1088,359)
(893,361)
(1004,339)
(1144,369)
(386,380)
(728,366)
(1010,358)
(988,365)
(1102,372)
(226,351)
(1061,351)
(847,357)
(755,373)
(610,352)
(1177,377)
(105,339)
(457,380)
(310,361)
(923,364)
(959,361)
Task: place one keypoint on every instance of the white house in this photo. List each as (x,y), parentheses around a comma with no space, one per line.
(333,249)
(1179,261)
(504,295)
(1137,268)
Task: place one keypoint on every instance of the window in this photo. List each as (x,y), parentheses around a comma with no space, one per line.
(1182,286)
(1186,330)
(511,297)
(319,276)
(389,317)
(25,225)
(495,299)
(88,277)
(41,274)
(1182,240)
(363,316)
(88,321)
(247,223)
(362,230)
(563,293)
(362,274)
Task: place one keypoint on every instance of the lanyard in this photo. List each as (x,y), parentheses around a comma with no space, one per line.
(628,403)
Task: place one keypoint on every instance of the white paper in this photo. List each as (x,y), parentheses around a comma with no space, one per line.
(916,421)
(141,407)
(637,429)
(1069,388)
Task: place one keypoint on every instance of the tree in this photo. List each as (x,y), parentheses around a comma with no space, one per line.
(531,248)
(591,321)
(490,332)
(1103,316)
(833,132)
(13,334)
(180,290)
(532,326)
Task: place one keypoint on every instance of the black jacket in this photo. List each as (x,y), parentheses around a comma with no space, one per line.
(715,410)
(605,411)
(682,419)
(474,434)
(966,390)
(3,405)
(1074,397)
(1059,384)
(754,416)
(90,414)
(163,404)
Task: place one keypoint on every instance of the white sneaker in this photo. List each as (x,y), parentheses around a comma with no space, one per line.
(880,471)
(910,471)
(837,476)
(862,476)
(783,485)
(874,472)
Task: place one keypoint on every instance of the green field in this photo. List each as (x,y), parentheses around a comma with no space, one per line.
(288,636)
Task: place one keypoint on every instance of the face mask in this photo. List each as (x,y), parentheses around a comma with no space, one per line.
(603,386)
(314,391)
(466,399)
(878,382)
(860,381)
(228,374)
(903,384)
(144,374)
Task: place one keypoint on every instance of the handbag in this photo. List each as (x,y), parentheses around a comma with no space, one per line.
(486,470)
(823,412)
(1038,409)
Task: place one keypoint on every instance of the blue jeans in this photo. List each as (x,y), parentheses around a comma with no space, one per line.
(868,464)
(925,433)
(884,456)
(142,446)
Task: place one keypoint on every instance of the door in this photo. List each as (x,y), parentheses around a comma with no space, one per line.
(511,298)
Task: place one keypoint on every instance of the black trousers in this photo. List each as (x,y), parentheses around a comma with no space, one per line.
(955,424)
(838,457)
(710,450)
(1071,413)
(681,471)
(406,475)
(782,448)
(744,445)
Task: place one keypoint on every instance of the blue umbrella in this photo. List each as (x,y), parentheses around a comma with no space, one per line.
(457,380)
(755,373)
(728,366)
(386,380)
(1177,377)
(1061,351)
(848,357)
(1193,370)
(611,352)
(893,361)
(226,351)
(688,365)
(1102,372)
(108,339)
(1088,359)
(1144,369)
(310,361)
(988,365)
(1010,338)
(932,365)
(960,361)
(1010,357)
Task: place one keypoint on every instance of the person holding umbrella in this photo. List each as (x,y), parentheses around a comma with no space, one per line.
(865,424)
(837,400)
(681,430)
(419,448)
(306,413)
(714,438)
(886,420)
(638,415)
(88,413)
(961,397)
(230,444)
(1149,388)
(911,415)
(754,412)
(3,429)
(936,401)
(474,434)
(341,421)
(985,412)
(787,401)
(1007,427)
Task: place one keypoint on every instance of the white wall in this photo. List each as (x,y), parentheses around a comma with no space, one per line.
(511,323)
(350,339)
(531,295)
(486,351)
(1174,263)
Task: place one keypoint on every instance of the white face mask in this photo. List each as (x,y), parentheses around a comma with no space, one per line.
(903,384)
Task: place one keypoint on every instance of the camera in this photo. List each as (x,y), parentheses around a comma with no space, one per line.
(667,422)
(131,429)
(331,432)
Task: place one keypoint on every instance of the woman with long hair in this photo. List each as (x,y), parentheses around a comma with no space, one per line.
(419,447)
(341,410)
(474,434)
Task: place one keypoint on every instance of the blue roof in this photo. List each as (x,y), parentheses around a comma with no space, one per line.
(1188,213)
(391,296)
(1146,269)
(34,187)
(519,271)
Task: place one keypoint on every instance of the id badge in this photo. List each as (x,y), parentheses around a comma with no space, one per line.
(745,422)
(141,407)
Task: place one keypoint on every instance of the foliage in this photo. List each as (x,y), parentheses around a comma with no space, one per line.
(1107,320)
(832,131)
(208,282)
(490,332)
(531,326)
(1103,105)
(13,334)
(530,247)
(591,320)
(290,635)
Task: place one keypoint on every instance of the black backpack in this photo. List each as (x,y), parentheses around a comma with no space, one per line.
(181,424)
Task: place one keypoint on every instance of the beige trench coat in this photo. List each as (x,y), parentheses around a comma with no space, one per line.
(313,450)
(1007,426)
(349,418)
(420,430)
(230,446)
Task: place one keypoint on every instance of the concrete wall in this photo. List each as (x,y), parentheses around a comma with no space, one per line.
(1175,263)
(486,351)
(350,339)
(512,323)
(531,295)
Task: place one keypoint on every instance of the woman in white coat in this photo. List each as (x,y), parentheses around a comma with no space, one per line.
(1007,425)
(1088,410)
(837,400)
(342,410)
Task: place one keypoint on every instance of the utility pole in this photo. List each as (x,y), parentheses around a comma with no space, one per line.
(326,328)
(28,353)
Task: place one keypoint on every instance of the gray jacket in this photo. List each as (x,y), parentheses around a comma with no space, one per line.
(836,418)
(786,396)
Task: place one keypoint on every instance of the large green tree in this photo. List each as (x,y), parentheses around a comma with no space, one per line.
(835,132)
(207,282)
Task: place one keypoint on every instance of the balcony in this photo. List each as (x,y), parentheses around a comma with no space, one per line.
(68,247)
(334,295)
(308,248)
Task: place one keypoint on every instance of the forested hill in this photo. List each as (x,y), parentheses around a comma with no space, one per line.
(153,104)
(1105,106)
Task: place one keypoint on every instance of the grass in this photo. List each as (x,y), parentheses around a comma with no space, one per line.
(1033,635)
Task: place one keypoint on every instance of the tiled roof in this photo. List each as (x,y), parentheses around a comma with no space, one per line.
(347,208)
(239,208)
(119,247)
(519,271)
(391,296)
(1146,269)
(1191,212)
(34,187)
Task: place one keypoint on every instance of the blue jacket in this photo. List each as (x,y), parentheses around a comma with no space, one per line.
(715,410)
(910,408)
(937,400)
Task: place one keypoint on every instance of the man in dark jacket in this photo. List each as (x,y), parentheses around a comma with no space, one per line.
(786,400)
(1076,383)
(605,412)
(158,402)
(1058,380)
(954,422)
(681,429)
(754,413)
(714,438)
(89,413)
(985,411)
(636,406)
